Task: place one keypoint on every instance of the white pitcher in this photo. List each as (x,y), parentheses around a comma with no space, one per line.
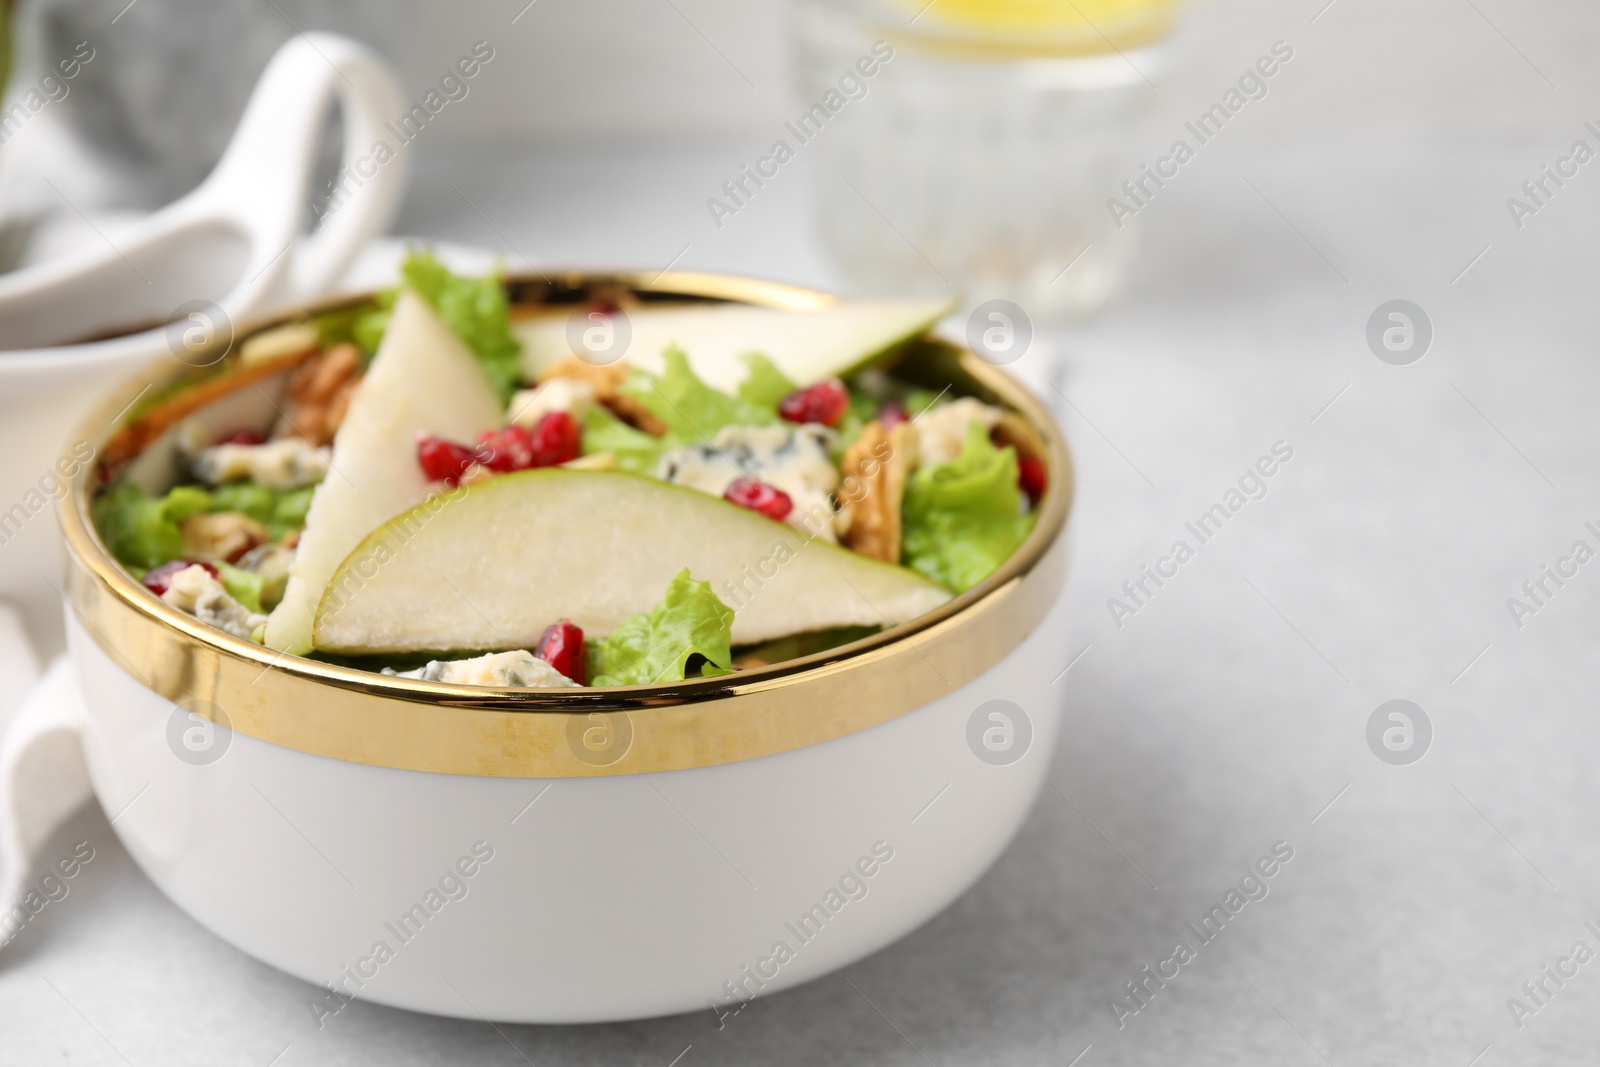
(231,248)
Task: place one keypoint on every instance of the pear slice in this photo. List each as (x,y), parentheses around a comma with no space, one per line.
(422,378)
(807,346)
(499,562)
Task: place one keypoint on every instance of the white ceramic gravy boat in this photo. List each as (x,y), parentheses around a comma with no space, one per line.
(231,248)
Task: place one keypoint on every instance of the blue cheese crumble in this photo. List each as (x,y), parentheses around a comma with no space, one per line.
(195,591)
(791,458)
(513,670)
(287,463)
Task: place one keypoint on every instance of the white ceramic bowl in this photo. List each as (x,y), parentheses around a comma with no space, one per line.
(574,856)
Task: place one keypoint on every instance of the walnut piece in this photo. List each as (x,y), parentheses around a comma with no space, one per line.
(318,394)
(606,381)
(155,420)
(224,535)
(875,469)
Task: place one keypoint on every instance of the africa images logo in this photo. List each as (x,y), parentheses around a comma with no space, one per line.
(853,885)
(1252,886)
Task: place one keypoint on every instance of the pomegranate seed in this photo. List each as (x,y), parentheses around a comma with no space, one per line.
(759,497)
(159,579)
(892,414)
(556,440)
(243,437)
(1032,477)
(561,646)
(510,449)
(443,461)
(825,402)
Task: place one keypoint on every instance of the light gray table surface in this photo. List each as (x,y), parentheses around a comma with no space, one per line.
(1230,712)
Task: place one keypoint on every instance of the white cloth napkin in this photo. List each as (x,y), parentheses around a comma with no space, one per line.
(42,774)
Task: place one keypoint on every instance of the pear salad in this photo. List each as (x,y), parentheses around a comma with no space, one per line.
(439,483)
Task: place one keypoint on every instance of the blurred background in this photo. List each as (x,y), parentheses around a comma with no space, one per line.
(981,158)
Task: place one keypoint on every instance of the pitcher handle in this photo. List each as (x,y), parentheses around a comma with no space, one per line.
(43,780)
(264,180)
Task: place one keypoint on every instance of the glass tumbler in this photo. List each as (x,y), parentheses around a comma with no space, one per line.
(978,157)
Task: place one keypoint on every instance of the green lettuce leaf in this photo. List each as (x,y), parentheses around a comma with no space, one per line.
(282,511)
(247,498)
(804,644)
(337,327)
(765,385)
(244,586)
(964,518)
(292,506)
(635,450)
(862,410)
(477,311)
(368,329)
(658,646)
(141,530)
(918,400)
(691,409)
